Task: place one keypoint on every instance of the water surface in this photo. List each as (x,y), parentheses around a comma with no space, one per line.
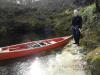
(66,61)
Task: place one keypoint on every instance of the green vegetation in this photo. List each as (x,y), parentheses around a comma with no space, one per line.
(93,58)
(91,39)
(91,28)
(17,21)
(62,23)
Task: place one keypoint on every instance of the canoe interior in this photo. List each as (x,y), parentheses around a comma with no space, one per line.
(33,44)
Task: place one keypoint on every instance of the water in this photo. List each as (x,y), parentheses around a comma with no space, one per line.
(68,61)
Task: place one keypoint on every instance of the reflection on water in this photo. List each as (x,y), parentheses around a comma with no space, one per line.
(68,62)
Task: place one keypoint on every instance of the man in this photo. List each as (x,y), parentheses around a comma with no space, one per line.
(76,26)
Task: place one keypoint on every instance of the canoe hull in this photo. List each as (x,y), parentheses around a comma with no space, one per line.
(10,55)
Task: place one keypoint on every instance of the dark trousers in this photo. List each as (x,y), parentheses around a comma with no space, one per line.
(76,34)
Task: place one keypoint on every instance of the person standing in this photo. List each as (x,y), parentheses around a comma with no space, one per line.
(76,26)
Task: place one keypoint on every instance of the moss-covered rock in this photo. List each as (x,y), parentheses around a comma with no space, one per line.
(93,59)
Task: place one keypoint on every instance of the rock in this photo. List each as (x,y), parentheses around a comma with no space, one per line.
(93,58)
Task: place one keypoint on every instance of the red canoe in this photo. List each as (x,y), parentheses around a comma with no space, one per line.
(33,47)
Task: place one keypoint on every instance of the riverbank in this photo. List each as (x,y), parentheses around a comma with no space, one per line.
(91,39)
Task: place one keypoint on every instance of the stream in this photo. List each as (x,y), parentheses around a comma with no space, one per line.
(67,61)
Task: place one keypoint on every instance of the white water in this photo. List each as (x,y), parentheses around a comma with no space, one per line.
(69,62)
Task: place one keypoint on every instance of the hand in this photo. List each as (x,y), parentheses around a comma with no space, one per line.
(80,30)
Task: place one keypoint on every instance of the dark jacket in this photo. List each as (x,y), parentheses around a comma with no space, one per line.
(77,21)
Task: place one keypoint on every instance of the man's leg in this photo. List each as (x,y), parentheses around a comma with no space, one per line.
(77,39)
(77,36)
(74,36)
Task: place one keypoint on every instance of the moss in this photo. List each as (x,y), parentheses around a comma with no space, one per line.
(89,15)
(90,28)
(62,23)
(93,53)
(89,10)
(97,48)
(96,63)
(96,58)
(93,59)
